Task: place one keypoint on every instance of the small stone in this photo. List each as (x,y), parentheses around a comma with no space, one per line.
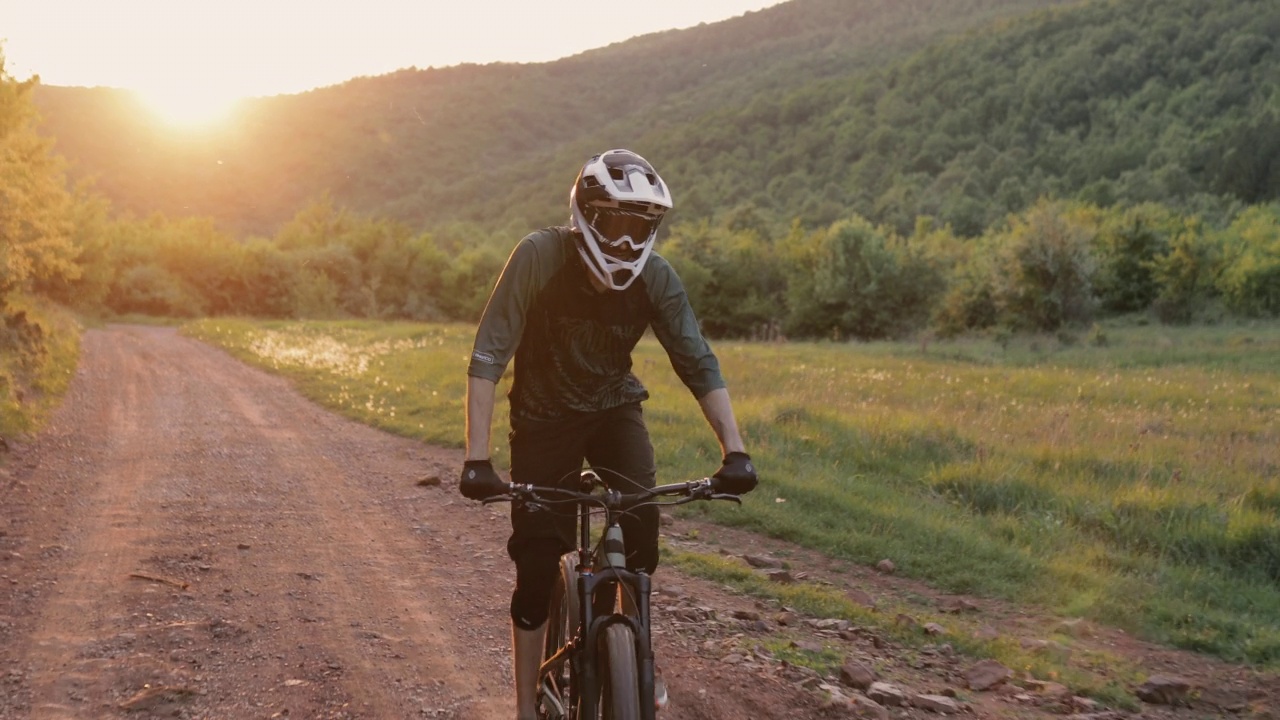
(431,480)
(780,576)
(1164,690)
(864,707)
(673,591)
(856,675)
(936,703)
(887,694)
(807,646)
(986,674)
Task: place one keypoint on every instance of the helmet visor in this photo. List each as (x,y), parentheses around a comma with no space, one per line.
(623,234)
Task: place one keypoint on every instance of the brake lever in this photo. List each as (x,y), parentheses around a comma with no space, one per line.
(497,499)
(726,496)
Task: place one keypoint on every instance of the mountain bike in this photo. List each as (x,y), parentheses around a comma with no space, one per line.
(597,659)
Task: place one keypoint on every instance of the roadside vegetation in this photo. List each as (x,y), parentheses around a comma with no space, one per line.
(39,338)
(1133,481)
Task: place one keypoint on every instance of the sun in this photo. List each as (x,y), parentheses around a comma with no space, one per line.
(189,107)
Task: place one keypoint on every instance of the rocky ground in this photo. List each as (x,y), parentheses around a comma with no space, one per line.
(190,538)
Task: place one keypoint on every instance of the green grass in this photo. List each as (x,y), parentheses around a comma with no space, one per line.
(36,365)
(1134,481)
(1103,678)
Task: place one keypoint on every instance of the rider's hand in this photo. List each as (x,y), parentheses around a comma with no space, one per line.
(479,480)
(737,474)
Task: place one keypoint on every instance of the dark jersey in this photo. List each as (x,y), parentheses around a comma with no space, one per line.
(571,343)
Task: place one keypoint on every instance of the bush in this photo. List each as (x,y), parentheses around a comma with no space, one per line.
(1044,267)
(1126,245)
(1250,277)
(857,280)
(1185,274)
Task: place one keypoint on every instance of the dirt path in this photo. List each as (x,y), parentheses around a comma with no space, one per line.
(191,538)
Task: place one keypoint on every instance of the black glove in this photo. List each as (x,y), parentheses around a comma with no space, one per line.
(737,474)
(479,480)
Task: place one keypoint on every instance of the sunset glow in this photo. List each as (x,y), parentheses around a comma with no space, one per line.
(191,60)
(188,107)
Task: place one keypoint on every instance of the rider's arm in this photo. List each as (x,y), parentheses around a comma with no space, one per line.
(719,413)
(480,398)
(676,327)
(531,263)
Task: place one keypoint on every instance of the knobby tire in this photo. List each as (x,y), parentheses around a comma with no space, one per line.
(620,678)
(561,620)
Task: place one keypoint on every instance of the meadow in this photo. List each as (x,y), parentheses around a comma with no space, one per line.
(1129,475)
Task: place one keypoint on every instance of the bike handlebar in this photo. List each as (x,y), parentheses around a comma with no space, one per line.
(703,489)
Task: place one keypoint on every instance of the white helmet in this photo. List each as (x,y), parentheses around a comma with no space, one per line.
(616,205)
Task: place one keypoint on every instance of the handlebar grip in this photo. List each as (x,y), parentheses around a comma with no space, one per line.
(479,486)
(733,485)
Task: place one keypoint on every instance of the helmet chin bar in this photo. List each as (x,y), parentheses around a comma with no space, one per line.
(609,273)
(606,269)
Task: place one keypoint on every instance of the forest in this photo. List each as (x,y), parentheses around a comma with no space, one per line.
(841,171)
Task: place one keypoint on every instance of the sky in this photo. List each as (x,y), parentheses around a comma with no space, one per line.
(191,59)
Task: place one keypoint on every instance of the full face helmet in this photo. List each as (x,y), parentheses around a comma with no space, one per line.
(616,205)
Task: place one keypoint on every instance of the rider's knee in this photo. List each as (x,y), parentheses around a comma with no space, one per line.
(537,565)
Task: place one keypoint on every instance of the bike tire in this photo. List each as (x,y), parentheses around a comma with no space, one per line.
(562,618)
(620,676)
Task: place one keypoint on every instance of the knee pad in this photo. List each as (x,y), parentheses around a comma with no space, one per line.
(537,566)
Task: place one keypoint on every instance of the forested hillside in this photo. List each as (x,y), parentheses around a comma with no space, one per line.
(1129,101)
(841,169)
(494,144)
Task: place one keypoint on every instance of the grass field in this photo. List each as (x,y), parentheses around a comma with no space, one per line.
(1130,475)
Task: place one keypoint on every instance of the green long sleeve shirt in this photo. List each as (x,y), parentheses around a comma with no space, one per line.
(572,344)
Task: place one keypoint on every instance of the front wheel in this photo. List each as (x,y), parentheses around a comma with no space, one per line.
(620,699)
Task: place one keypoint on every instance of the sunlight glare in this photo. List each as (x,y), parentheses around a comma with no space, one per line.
(191,107)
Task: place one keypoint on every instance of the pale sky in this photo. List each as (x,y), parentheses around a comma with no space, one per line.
(194,56)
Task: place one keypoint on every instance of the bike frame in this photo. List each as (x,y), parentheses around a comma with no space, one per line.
(585,693)
(601,567)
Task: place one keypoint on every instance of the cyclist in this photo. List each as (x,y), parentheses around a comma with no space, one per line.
(569,308)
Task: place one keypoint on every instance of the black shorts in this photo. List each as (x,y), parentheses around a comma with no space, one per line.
(615,443)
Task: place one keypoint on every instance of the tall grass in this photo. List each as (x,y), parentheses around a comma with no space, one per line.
(1135,483)
(39,348)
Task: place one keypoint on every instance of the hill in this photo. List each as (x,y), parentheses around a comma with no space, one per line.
(494,144)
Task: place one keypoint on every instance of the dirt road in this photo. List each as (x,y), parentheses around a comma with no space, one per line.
(191,538)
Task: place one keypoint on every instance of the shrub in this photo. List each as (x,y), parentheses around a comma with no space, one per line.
(1044,267)
(1250,277)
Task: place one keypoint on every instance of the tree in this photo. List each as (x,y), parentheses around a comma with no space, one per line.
(854,279)
(35,229)
(1045,267)
(1250,277)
